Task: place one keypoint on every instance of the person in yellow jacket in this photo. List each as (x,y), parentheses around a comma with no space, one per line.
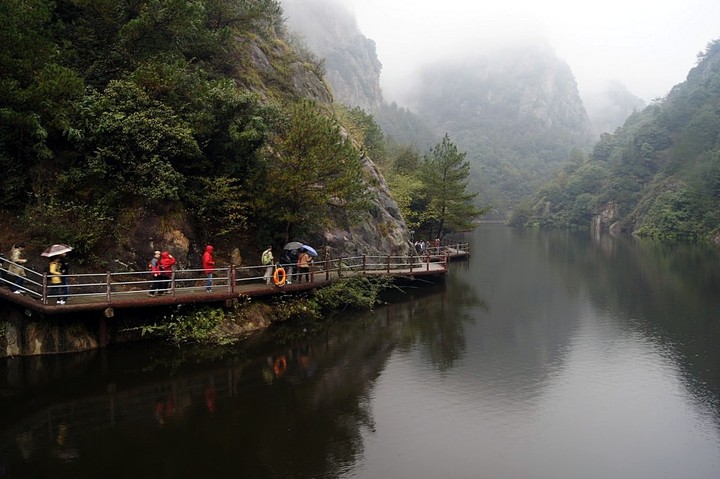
(303,265)
(56,278)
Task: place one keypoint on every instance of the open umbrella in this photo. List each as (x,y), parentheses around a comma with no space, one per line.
(56,249)
(293,245)
(310,250)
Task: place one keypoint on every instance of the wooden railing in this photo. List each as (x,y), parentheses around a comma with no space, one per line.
(111,286)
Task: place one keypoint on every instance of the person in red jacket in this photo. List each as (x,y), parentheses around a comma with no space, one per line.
(166,263)
(208,265)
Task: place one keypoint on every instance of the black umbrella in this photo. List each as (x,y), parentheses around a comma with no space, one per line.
(293,245)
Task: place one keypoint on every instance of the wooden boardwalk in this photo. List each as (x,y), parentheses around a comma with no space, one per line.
(110,291)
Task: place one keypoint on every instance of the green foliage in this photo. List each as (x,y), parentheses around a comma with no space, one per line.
(444,173)
(351,293)
(660,171)
(363,128)
(199,326)
(408,194)
(138,143)
(296,309)
(310,168)
(216,203)
(81,225)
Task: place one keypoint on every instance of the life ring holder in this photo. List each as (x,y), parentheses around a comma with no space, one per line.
(279,276)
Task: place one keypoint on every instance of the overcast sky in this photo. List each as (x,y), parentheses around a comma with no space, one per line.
(648,45)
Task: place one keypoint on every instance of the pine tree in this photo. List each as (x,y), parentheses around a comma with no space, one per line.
(450,207)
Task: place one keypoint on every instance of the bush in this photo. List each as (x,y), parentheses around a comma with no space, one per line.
(353,293)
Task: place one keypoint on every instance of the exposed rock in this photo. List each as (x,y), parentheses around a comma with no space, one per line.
(605,218)
(330,31)
(381,230)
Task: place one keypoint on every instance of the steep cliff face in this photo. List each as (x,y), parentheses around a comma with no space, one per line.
(380,230)
(331,32)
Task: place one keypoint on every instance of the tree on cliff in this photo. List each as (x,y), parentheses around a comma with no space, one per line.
(448,206)
(310,167)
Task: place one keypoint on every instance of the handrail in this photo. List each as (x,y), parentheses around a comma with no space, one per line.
(111,285)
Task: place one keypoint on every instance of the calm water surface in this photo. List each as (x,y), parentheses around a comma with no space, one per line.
(547,355)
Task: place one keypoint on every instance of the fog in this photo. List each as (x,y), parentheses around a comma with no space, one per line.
(647,45)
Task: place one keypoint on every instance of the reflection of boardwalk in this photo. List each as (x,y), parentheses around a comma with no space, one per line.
(93,292)
(142,399)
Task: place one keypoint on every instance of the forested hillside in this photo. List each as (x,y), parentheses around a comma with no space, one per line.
(657,176)
(127,126)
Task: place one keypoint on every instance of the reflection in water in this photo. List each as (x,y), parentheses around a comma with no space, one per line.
(549,354)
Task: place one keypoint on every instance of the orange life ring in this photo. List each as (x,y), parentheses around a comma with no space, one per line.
(279,276)
(280,365)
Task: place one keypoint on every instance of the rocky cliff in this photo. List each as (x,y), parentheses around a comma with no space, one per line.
(331,32)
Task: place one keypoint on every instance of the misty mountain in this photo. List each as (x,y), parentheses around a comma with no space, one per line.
(330,31)
(515,110)
(352,68)
(657,176)
(609,105)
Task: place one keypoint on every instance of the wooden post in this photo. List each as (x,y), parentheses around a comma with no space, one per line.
(108,278)
(172,283)
(328,263)
(364,269)
(232,275)
(411,263)
(388,264)
(44,289)
(427,262)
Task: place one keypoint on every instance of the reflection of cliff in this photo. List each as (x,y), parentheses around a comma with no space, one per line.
(261,417)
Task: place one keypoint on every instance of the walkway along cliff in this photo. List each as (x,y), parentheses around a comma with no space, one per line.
(35,323)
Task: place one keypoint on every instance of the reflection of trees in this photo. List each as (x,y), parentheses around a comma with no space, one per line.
(436,319)
(302,420)
(667,291)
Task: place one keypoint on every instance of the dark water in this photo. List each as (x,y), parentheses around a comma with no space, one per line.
(547,355)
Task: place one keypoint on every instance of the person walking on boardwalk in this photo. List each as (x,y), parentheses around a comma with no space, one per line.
(55,279)
(17,258)
(64,279)
(267,260)
(154,268)
(208,264)
(303,265)
(166,264)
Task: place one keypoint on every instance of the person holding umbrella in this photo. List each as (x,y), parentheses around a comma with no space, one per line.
(303,265)
(64,269)
(59,254)
(55,277)
(289,258)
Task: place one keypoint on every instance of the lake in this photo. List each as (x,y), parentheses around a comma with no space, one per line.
(549,354)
